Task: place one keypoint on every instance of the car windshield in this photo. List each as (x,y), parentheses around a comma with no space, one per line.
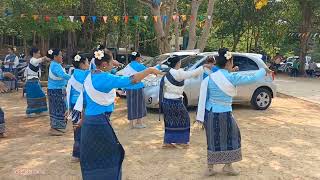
(154,61)
(189,61)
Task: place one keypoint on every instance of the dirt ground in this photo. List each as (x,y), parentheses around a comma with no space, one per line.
(280,143)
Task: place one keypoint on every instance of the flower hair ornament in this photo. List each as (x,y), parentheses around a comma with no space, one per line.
(14,49)
(134,53)
(228,55)
(77,58)
(50,52)
(98,55)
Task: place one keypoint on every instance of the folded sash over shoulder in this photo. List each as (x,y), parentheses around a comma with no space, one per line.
(54,77)
(73,83)
(34,68)
(173,81)
(224,85)
(129,71)
(101,98)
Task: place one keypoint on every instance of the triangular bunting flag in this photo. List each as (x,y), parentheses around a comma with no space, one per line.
(136,18)
(183,17)
(175,17)
(116,18)
(126,19)
(47,18)
(71,18)
(60,18)
(165,19)
(145,17)
(201,18)
(83,18)
(94,19)
(155,18)
(105,18)
(35,17)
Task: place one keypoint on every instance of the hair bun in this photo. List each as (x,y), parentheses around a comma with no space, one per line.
(222,51)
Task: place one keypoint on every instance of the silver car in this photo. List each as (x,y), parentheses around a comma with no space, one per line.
(259,94)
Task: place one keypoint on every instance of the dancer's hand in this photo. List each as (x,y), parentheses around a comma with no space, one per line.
(155,71)
(9,75)
(235,69)
(208,66)
(3,88)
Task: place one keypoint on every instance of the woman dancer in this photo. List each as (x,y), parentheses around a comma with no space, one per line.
(135,96)
(74,88)
(57,81)
(36,99)
(176,116)
(11,62)
(101,153)
(215,110)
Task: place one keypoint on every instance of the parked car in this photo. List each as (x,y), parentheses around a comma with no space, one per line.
(259,94)
(155,61)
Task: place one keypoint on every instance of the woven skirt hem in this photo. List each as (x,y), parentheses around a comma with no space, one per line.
(224,157)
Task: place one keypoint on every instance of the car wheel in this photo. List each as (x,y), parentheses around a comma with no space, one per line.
(261,99)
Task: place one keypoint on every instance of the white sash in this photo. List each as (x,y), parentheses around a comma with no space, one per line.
(101,98)
(129,71)
(73,83)
(54,77)
(224,85)
(92,64)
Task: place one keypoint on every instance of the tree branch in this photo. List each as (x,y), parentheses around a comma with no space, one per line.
(146,2)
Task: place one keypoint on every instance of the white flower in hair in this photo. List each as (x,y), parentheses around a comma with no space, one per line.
(50,52)
(14,49)
(134,53)
(228,55)
(77,58)
(98,55)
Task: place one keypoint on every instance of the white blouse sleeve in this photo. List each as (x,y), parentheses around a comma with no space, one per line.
(181,75)
(35,61)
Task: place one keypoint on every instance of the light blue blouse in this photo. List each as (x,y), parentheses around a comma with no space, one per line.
(218,101)
(57,70)
(137,67)
(80,76)
(104,82)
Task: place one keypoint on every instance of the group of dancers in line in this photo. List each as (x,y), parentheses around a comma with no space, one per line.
(87,98)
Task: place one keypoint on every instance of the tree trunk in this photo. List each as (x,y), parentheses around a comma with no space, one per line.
(177,34)
(34,41)
(193,23)
(69,47)
(25,49)
(307,13)
(1,41)
(235,43)
(206,30)
(163,42)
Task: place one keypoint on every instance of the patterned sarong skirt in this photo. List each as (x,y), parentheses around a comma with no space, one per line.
(75,117)
(2,123)
(57,108)
(176,121)
(136,104)
(36,99)
(101,153)
(223,138)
